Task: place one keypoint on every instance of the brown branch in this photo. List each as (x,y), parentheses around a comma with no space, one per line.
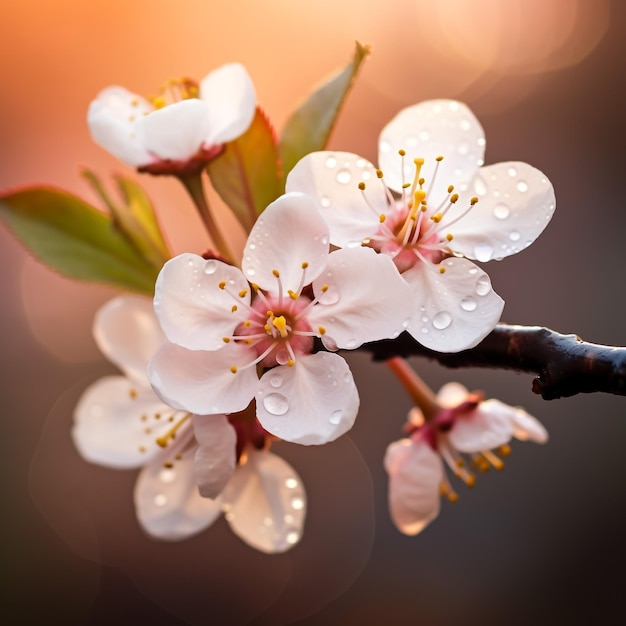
(564,365)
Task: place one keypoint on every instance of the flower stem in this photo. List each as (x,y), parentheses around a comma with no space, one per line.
(417,389)
(193,185)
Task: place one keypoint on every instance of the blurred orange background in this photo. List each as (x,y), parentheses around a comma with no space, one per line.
(539,543)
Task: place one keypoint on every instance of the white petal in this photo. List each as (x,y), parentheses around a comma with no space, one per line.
(455,310)
(290,232)
(192,309)
(265,503)
(427,130)
(167,501)
(115,423)
(487,427)
(452,394)
(415,473)
(229,95)
(366,299)
(216,455)
(201,381)
(112,119)
(526,427)
(176,131)
(332,179)
(516,202)
(128,334)
(313,402)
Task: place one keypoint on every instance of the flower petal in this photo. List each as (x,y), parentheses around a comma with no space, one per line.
(313,402)
(516,202)
(128,334)
(488,426)
(332,179)
(193,310)
(215,458)
(455,310)
(167,501)
(366,298)
(415,473)
(451,395)
(265,503)
(202,382)
(229,95)
(176,131)
(290,232)
(526,427)
(112,119)
(427,130)
(116,424)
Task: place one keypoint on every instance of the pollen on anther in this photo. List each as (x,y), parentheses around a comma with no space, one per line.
(454,198)
(362,186)
(247,323)
(168,465)
(450,188)
(504,450)
(324,288)
(178,457)
(222,285)
(144,418)
(305,264)
(442,270)
(449,236)
(439,159)
(292,294)
(402,152)
(242,293)
(321,330)
(379,173)
(133,393)
(436,218)
(142,448)
(157,416)
(233,369)
(382,217)
(226,339)
(234,308)
(406,185)
(474,200)
(276,273)
(290,362)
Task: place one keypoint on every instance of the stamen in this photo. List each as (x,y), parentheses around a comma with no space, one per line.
(171,434)
(493,459)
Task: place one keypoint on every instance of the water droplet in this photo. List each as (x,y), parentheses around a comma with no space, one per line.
(479,187)
(191,263)
(361,163)
(473,270)
(453,106)
(468,304)
(385,146)
(331,162)
(481,141)
(282,356)
(252,246)
(325,201)
(512,171)
(292,537)
(347,377)
(442,320)
(522,186)
(425,319)
(336,416)
(291,483)
(324,240)
(465,125)
(167,476)
(351,343)
(276,404)
(411,142)
(483,285)
(250,271)
(424,330)
(483,252)
(406,323)
(463,148)
(344,176)
(297,503)
(160,499)
(437,108)
(501,211)
(276,380)
(424,135)
(514,235)
(330,297)
(288,519)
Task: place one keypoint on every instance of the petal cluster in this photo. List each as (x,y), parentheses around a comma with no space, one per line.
(433,209)
(190,472)
(465,425)
(188,123)
(222,322)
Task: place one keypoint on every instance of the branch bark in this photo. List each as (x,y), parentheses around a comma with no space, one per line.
(564,365)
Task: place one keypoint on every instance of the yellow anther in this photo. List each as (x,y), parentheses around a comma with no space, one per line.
(157,416)
(449,236)
(450,188)
(292,294)
(276,273)
(233,308)
(226,339)
(470,480)
(402,152)
(178,457)
(233,369)
(436,218)
(267,329)
(168,464)
(406,185)
(321,330)
(442,270)
(379,173)
(442,490)
(460,463)
(280,323)
(144,418)
(192,90)
(142,448)
(454,197)
(421,181)
(290,362)
(382,217)
(324,288)
(222,285)
(362,186)
(453,497)
(134,102)
(159,102)
(255,287)
(247,323)
(249,341)
(504,450)
(474,200)
(242,293)
(269,313)
(305,264)
(419,161)
(439,158)
(133,393)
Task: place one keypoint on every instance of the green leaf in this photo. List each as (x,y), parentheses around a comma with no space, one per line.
(247,173)
(135,218)
(74,238)
(309,127)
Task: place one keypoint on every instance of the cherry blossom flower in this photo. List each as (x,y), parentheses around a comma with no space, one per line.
(465,425)
(447,211)
(178,131)
(193,467)
(221,326)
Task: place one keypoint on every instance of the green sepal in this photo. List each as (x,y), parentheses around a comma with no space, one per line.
(309,127)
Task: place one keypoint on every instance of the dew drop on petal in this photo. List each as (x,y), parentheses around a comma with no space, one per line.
(190,263)
(351,343)
(167,476)
(424,330)
(522,186)
(291,483)
(331,162)
(442,320)
(473,270)
(210,266)
(336,416)
(385,146)
(276,404)
(411,142)
(344,176)
(251,271)
(514,235)
(160,499)
(483,285)
(501,211)
(292,537)
(276,380)
(479,187)
(283,356)
(463,148)
(325,201)
(347,377)
(424,135)
(465,125)
(483,252)
(468,304)
(512,171)
(297,503)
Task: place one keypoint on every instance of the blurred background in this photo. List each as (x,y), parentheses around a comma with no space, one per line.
(541,542)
